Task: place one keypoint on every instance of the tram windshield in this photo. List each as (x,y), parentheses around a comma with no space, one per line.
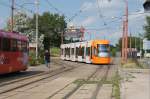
(103,50)
(103,47)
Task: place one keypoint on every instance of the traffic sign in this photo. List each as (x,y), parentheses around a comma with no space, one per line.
(146,44)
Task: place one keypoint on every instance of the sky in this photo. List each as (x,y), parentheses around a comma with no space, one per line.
(102,19)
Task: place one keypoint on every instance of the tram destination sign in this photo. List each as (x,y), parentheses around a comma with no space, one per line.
(74,33)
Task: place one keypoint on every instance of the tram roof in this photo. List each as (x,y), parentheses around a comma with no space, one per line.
(13,35)
(98,41)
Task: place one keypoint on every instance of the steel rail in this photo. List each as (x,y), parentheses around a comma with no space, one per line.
(56,72)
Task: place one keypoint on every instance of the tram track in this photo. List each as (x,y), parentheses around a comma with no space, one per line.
(103,68)
(3,81)
(93,75)
(100,83)
(10,86)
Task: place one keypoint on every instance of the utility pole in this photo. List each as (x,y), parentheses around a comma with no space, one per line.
(123,42)
(135,42)
(130,50)
(62,37)
(37,13)
(126,31)
(12,15)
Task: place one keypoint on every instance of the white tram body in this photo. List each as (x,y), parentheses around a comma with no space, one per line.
(95,51)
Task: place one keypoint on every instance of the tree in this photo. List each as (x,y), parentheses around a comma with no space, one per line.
(147,28)
(20,23)
(51,26)
(135,43)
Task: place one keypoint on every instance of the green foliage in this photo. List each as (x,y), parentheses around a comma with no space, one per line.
(41,57)
(55,51)
(147,28)
(20,23)
(116,86)
(32,58)
(135,42)
(51,25)
(113,51)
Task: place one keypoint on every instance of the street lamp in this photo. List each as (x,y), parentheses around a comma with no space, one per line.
(37,9)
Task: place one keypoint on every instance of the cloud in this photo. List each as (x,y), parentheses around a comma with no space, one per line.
(110,4)
(115,8)
(86,6)
(88,21)
(84,22)
(103,4)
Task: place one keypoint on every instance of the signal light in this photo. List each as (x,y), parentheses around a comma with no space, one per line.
(146,5)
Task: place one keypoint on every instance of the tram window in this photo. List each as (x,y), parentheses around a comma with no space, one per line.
(65,52)
(6,44)
(62,51)
(13,45)
(82,52)
(24,46)
(95,51)
(72,51)
(19,45)
(77,52)
(91,51)
(0,43)
(103,48)
(69,52)
(88,51)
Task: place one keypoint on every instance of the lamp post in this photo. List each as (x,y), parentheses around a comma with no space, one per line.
(37,8)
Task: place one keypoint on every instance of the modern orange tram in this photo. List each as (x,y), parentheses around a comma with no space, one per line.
(94,51)
(13,52)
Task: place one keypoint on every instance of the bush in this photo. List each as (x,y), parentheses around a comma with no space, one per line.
(55,51)
(41,57)
(32,58)
(113,52)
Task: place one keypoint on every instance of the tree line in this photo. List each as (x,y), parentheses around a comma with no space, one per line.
(50,27)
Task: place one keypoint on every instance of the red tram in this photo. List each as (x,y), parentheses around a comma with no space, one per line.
(13,52)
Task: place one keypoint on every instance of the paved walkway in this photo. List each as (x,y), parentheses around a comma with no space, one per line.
(136,85)
(43,67)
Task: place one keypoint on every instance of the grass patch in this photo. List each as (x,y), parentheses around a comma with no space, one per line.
(132,63)
(116,86)
(55,52)
(83,81)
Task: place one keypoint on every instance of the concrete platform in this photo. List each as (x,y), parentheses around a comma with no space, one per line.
(137,86)
(105,92)
(84,92)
